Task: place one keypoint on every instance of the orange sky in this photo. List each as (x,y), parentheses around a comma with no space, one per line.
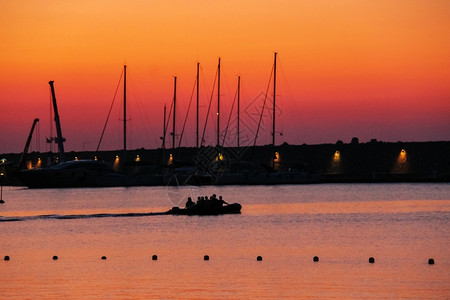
(369,69)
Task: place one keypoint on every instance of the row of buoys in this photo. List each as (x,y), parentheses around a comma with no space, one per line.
(206,257)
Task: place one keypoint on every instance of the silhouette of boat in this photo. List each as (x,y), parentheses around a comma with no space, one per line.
(74,173)
(196,209)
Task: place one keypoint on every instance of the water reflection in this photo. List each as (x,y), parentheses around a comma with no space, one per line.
(401,226)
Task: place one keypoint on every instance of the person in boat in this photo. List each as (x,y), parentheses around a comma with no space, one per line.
(222,202)
(217,203)
(189,202)
(200,202)
(206,203)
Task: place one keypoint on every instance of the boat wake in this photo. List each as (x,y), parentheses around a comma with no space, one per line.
(79,216)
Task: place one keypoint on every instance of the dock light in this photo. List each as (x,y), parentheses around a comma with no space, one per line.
(39,163)
(137,158)
(402,157)
(401,163)
(76,157)
(116,163)
(170,162)
(219,157)
(276,157)
(335,165)
(337,157)
(3,160)
(95,158)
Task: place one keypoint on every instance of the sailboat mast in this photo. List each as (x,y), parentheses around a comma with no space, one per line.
(218,103)
(124,114)
(60,139)
(274,95)
(198,95)
(174,107)
(164,130)
(238,108)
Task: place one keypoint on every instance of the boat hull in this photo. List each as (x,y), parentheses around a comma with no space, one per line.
(234,208)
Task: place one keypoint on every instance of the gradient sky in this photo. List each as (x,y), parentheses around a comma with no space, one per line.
(366,69)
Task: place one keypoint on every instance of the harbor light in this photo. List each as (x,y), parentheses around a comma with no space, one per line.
(137,158)
(219,157)
(276,161)
(401,164)
(76,157)
(337,157)
(402,156)
(335,165)
(116,163)
(170,162)
(276,158)
(39,163)
(95,158)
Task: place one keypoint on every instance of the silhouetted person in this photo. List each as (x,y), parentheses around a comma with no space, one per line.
(222,202)
(200,202)
(217,203)
(189,202)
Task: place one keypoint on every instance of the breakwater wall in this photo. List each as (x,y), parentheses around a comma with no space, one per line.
(340,162)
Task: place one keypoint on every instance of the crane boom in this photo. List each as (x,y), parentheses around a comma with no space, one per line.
(60,139)
(27,144)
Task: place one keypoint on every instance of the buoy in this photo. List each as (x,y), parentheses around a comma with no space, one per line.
(431,261)
(155,257)
(6,257)
(103,257)
(206,257)
(259,258)
(316,258)
(371,260)
(55,257)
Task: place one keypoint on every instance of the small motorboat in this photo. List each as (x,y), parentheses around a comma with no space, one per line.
(205,209)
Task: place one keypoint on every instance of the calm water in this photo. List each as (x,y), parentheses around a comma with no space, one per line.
(400,225)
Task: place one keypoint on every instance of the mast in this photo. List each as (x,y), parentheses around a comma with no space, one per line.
(60,139)
(218,102)
(274,95)
(124,114)
(164,130)
(238,108)
(198,94)
(174,107)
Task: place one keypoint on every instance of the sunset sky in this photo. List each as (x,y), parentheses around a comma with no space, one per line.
(367,69)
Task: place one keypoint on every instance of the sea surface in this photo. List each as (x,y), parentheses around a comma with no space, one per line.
(401,226)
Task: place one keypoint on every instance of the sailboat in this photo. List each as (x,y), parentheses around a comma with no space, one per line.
(184,172)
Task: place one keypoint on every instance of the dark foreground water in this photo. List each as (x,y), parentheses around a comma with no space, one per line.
(400,225)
